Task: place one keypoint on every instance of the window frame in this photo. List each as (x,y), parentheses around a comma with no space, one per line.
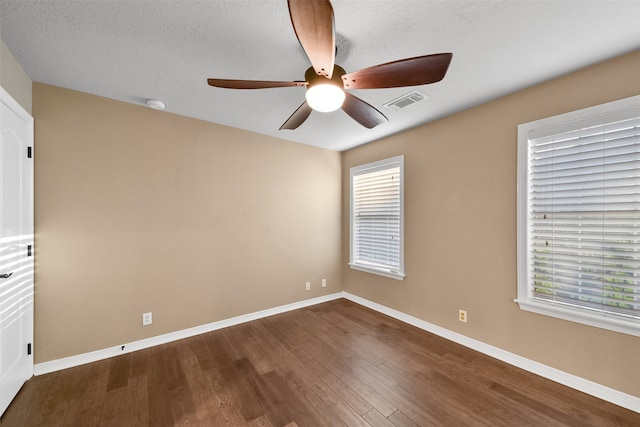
(392,162)
(599,114)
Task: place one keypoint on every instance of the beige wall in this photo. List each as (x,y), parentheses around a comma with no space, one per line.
(13,78)
(460,213)
(138,210)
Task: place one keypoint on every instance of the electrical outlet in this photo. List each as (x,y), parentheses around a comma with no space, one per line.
(307,286)
(462,316)
(147,319)
(324,283)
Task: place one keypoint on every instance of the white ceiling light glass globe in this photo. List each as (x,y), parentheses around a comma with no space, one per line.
(325,97)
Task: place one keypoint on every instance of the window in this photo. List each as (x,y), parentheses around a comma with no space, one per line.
(579,216)
(377,217)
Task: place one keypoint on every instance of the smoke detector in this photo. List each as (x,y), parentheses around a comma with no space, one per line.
(155,104)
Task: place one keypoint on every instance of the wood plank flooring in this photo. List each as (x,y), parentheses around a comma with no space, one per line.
(332,364)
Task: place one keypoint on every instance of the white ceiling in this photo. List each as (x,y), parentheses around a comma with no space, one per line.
(136,50)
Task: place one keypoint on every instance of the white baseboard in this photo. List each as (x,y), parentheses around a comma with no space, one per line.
(94,356)
(594,389)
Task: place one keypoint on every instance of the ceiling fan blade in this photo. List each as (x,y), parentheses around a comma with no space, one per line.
(420,70)
(251,84)
(298,117)
(365,114)
(313,23)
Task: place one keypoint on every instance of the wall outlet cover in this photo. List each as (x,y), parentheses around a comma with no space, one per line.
(147,319)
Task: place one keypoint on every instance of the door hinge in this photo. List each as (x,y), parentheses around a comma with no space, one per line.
(28,250)
(28,349)
(29,152)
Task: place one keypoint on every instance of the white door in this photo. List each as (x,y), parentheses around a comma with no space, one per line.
(16,248)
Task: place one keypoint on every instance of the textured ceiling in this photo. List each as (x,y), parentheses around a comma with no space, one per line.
(135,50)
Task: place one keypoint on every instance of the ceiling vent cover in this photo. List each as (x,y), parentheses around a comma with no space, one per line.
(406,100)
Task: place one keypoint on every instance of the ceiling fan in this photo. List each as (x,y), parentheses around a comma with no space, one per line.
(326,81)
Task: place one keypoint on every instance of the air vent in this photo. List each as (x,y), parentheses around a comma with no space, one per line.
(406,100)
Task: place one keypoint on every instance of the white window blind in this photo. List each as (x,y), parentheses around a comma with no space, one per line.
(582,187)
(377,217)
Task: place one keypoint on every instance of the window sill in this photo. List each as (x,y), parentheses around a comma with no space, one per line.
(378,271)
(597,320)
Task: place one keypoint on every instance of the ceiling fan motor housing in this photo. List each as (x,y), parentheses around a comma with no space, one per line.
(316,79)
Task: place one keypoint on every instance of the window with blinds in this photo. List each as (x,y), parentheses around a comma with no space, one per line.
(579,216)
(377,217)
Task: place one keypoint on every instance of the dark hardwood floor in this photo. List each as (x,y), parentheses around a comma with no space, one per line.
(332,364)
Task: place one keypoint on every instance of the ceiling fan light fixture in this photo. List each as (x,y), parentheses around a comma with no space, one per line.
(325,97)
